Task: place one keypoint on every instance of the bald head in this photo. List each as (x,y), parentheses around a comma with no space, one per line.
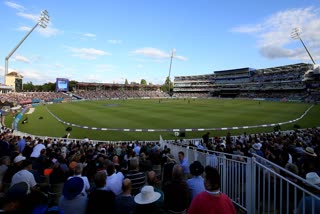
(126,186)
(115,159)
(152,178)
(177,172)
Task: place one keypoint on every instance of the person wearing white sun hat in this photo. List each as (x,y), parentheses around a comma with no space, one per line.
(310,204)
(145,201)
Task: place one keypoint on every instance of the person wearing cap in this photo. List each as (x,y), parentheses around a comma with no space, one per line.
(310,204)
(24,175)
(212,200)
(195,183)
(72,200)
(13,169)
(145,201)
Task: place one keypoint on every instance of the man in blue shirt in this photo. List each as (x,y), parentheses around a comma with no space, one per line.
(184,164)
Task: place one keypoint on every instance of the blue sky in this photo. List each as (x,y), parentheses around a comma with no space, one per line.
(110,41)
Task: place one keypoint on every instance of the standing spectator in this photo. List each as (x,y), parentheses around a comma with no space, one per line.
(124,203)
(37,149)
(167,169)
(72,199)
(184,164)
(152,180)
(137,178)
(176,192)
(212,200)
(78,173)
(4,164)
(24,175)
(195,183)
(114,179)
(100,199)
(21,143)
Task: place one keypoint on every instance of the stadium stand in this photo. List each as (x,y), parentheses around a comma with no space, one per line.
(281,82)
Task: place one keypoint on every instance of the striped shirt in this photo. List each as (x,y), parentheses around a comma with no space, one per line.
(138,180)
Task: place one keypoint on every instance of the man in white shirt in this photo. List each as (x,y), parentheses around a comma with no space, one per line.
(25,175)
(114,180)
(37,149)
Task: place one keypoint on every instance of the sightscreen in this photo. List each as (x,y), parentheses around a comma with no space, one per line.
(62,84)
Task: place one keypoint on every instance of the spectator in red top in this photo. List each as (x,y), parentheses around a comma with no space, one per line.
(211,201)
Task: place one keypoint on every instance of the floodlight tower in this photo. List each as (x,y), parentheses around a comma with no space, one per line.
(296,34)
(42,22)
(171,57)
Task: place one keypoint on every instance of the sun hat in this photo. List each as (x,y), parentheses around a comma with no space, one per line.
(196,168)
(72,187)
(257,146)
(147,195)
(310,151)
(18,158)
(313,178)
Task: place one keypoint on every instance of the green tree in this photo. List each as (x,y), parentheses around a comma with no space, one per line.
(143,82)
(49,86)
(126,82)
(165,86)
(73,85)
(28,86)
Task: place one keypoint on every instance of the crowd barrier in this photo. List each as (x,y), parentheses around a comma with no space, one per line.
(254,184)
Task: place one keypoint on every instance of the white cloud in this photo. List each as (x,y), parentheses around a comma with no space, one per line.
(21,58)
(14,5)
(49,31)
(273,33)
(24,28)
(32,17)
(91,35)
(88,53)
(155,53)
(115,41)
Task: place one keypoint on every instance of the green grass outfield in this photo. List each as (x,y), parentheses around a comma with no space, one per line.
(150,114)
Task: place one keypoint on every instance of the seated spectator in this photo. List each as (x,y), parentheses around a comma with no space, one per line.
(145,201)
(78,173)
(212,200)
(137,178)
(176,193)
(100,199)
(114,179)
(195,183)
(124,203)
(72,199)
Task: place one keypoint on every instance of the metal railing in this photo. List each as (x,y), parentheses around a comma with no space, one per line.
(255,184)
